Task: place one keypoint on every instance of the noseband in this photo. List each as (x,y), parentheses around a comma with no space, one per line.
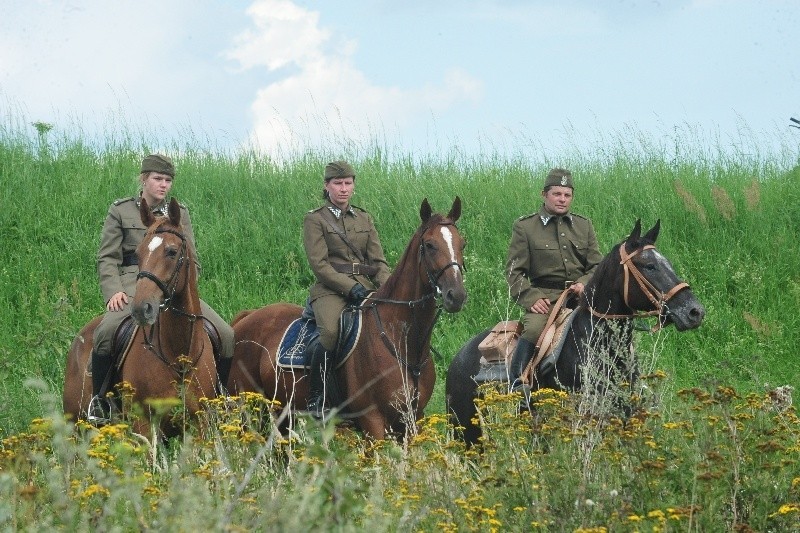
(168,288)
(657,298)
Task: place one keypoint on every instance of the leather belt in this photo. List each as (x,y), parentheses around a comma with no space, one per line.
(355,269)
(130,260)
(555,285)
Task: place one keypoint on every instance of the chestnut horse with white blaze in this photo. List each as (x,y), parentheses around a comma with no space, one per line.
(170,355)
(388,379)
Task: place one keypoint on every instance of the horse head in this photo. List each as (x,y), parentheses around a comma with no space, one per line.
(441,251)
(164,262)
(650,284)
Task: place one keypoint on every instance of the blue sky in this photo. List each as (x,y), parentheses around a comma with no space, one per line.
(422,76)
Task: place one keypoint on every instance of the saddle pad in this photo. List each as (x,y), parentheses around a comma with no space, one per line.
(300,333)
(292,348)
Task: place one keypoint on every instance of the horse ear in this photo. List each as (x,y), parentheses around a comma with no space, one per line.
(455,211)
(637,231)
(174,212)
(145,214)
(425,210)
(652,235)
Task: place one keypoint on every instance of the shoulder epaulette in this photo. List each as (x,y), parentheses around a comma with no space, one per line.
(523,217)
(579,216)
(359,208)
(123,200)
(315,209)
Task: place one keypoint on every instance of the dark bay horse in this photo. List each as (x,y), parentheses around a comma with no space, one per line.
(170,355)
(632,280)
(389,376)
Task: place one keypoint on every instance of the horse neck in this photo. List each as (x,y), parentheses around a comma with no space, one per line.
(604,294)
(409,283)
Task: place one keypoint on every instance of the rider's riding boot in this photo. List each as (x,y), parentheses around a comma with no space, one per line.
(316,393)
(223,372)
(520,359)
(99,410)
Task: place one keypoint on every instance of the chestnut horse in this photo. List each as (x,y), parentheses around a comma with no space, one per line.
(633,280)
(170,355)
(388,378)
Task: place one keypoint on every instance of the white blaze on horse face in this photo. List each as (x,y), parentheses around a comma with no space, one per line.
(447,235)
(155,243)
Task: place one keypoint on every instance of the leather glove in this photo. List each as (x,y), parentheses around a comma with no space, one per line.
(357,293)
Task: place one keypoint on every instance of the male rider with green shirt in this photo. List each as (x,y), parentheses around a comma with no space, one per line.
(550,251)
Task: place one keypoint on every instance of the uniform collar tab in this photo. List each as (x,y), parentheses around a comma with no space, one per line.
(338,212)
(162,209)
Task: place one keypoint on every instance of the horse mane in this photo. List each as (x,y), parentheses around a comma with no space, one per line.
(409,254)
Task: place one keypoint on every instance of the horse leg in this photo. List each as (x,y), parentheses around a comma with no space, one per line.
(373,425)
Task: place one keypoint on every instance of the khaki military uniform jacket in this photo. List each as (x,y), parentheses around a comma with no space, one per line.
(123,230)
(546,251)
(325,249)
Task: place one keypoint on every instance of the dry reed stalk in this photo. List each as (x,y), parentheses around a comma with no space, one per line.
(723,202)
(690,202)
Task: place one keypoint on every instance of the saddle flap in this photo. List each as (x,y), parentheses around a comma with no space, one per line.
(554,333)
(213,335)
(501,341)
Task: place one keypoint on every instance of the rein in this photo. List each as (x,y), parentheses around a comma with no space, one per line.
(657,298)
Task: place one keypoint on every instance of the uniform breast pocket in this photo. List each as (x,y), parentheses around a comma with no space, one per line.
(545,256)
(132,233)
(359,236)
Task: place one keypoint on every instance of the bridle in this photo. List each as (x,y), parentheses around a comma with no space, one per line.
(657,298)
(168,289)
(433,277)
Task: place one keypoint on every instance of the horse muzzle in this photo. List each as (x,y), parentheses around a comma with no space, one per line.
(453,298)
(145,313)
(685,311)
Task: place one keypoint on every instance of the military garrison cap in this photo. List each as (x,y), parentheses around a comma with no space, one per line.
(560,177)
(158,163)
(339,169)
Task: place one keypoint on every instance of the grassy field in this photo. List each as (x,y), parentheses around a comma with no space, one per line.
(728,225)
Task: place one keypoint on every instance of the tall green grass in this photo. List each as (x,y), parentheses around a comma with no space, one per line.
(728,225)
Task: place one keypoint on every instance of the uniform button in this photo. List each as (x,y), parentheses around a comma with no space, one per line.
(564,247)
(562,234)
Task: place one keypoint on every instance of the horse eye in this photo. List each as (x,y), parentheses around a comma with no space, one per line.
(650,266)
(430,246)
(171,252)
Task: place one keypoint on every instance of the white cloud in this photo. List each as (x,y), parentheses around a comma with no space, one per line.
(321,93)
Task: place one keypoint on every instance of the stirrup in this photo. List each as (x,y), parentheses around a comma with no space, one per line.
(98,413)
(525,390)
(316,408)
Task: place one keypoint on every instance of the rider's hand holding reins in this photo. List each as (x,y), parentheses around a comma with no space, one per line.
(117,302)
